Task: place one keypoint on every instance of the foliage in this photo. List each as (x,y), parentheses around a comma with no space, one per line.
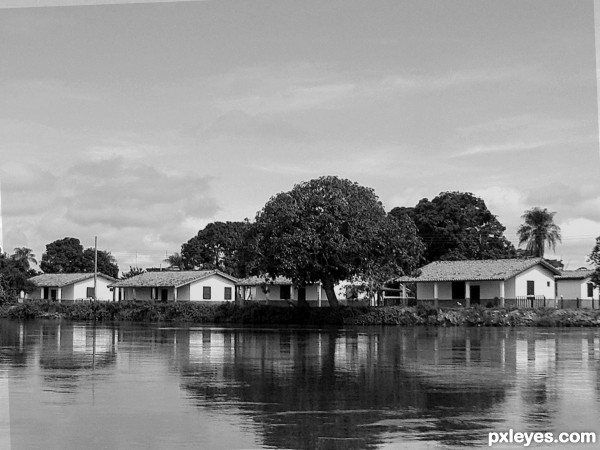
(133,271)
(220,245)
(252,313)
(594,258)
(67,256)
(25,255)
(14,276)
(538,230)
(456,226)
(328,230)
(175,261)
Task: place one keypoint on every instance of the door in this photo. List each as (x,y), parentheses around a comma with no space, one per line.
(475,295)
(301,294)
(164,295)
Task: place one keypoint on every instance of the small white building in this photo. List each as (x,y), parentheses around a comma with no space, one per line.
(67,287)
(191,285)
(279,290)
(282,291)
(574,288)
(520,282)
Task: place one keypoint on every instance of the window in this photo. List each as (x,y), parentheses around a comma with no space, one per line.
(89,292)
(530,288)
(590,289)
(206,293)
(46,293)
(285,292)
(227,293)
(458,290)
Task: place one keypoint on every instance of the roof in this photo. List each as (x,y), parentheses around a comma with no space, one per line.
(255,281)
(477,270)
(64,279)
(574,274)
(174,278)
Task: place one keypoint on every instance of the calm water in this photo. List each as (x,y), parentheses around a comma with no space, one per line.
(76,385)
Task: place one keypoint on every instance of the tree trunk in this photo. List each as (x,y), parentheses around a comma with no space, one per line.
(330,291)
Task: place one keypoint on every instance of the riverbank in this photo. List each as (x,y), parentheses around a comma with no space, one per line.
(273,315)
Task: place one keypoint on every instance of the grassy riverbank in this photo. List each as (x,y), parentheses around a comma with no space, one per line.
(271,315)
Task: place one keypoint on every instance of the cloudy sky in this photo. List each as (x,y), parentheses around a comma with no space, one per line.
(141,122)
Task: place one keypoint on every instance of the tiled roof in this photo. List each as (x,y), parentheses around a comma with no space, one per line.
(175,278)
(63,279)
(574,274)
(255,281)
(480,270)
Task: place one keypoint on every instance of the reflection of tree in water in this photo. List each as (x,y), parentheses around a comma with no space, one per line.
(312,389)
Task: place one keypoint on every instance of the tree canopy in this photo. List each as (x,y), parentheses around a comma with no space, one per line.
(331,229)
(68,256)
(457,226)
(594,258)
(14,275)
(538,231)
(220,245)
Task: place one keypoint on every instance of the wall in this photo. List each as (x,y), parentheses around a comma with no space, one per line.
(80,289)
(574,289)
(543,282)
(217,285)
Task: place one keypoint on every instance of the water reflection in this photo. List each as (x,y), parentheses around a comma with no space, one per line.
(298,388)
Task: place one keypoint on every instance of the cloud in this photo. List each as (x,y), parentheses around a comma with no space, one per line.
(49,3)
(117,199)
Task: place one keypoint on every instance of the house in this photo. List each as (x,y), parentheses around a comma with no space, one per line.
(282,291)
(520,282)
(191,285)
(574,288)
(69,287)
(279,290)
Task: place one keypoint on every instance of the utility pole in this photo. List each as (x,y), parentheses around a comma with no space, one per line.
(95,266)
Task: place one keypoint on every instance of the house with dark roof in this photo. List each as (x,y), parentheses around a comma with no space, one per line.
(521,282)
(190,285)
(574,288)
(65,287)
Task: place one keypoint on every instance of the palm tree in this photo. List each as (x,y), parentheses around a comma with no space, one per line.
(538,230)
(175,261)
(25,255)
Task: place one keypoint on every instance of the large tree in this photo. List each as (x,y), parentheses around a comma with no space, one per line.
(220,245)
(328,230)
(457,226)
(14,276)
(68,256)
(538,231)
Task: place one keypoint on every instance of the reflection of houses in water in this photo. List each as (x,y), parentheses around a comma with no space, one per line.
(69,346)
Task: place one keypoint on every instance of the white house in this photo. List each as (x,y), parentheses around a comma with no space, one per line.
(71,286)
(574,288)
(279,290)
(282,291)
(192,285)
(520,282)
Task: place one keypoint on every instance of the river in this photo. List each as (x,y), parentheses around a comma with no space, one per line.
(66,385)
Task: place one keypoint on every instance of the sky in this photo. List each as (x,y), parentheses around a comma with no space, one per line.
(142,122)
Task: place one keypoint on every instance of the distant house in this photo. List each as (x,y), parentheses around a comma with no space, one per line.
(521,282)
(193,285)
(64,287)
(282,291)
(574,288)
(279,290)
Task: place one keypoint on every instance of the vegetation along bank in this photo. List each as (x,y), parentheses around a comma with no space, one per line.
(274,315)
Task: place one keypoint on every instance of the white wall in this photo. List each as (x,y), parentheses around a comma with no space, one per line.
(571,289)
(217,285)
(543,282)
(80,289)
